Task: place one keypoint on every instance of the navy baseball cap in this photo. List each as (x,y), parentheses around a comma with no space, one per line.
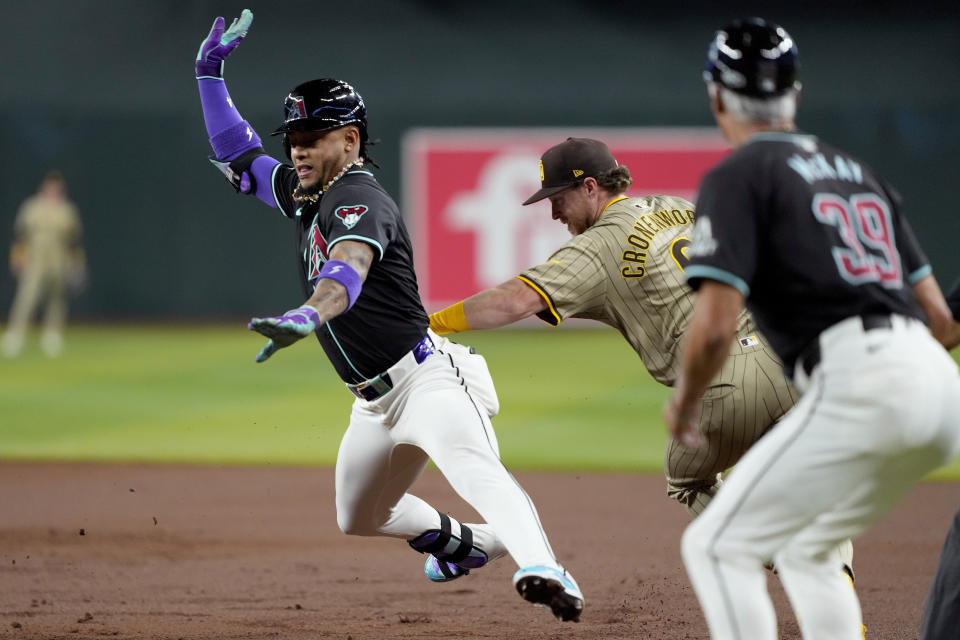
(568,163)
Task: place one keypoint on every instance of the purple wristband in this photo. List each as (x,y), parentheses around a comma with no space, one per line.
(230,143)
(262,172)
(209,70)
(344,274)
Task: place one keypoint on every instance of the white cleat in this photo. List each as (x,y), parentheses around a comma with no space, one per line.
(552,588)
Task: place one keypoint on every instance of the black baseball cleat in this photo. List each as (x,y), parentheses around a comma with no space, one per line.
(552,588)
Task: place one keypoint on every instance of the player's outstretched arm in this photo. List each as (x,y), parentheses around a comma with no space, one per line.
(495,307)
(338,287)
(942,320)
(219,43)
(953,302)
(237,150)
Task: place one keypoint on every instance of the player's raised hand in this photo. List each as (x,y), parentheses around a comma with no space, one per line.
(219,43)
(284,330)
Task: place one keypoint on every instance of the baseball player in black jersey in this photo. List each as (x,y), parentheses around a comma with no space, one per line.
(418,396)
(941,614)
(816,245)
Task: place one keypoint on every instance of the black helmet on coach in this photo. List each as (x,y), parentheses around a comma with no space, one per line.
(322,105)
(753,57)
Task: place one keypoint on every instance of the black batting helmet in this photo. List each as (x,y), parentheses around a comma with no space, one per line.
(321,105)
(753,57)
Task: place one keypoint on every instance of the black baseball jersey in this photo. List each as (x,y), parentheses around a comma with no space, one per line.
(387,319)
(808,234)
(953,300)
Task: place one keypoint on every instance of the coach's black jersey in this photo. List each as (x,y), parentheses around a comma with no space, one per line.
(808,234)
(953,300)
(387,319)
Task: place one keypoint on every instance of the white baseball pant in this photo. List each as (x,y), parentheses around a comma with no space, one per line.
(440,410)
(880,410)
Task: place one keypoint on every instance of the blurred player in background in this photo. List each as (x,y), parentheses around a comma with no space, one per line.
(941,614)
(418,397)
(815,243)
(48,260)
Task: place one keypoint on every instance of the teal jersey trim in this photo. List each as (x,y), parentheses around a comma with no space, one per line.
(919,274)
(713,273)
(347,359)
(273,186)
(364,239)
(782,136)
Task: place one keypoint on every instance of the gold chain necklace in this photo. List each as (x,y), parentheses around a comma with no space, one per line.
(301,195)
(356,163)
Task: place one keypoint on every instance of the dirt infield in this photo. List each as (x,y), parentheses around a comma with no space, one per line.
(110,551)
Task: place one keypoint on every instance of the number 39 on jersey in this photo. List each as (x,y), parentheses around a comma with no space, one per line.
(865,226)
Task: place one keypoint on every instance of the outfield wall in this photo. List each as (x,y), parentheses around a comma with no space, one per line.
(104,89)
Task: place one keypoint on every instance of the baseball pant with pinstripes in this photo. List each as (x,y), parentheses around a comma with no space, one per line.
(748,397)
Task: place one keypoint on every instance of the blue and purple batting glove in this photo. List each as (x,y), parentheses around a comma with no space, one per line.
(284,330)
(219,43)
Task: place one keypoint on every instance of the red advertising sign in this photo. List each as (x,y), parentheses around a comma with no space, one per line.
(463,190)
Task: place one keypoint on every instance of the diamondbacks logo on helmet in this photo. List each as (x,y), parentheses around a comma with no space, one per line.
(350,215)
(320,105)
(293,108)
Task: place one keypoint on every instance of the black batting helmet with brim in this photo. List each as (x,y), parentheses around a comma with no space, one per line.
(753,57)
(322,105)
(319,105)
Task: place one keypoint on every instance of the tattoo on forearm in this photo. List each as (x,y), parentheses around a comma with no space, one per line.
(357,254)
(330,297)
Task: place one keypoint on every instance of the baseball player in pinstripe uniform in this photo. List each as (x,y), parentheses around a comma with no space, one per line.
(418,397)
(48,259)
(624,267)
(815,244)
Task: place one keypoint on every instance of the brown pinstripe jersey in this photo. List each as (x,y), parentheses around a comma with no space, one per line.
(627,271)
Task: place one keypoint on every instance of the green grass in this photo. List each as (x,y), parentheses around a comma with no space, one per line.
(572,400)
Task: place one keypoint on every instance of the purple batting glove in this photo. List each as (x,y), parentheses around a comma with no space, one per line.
(219,43)
(284,330)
